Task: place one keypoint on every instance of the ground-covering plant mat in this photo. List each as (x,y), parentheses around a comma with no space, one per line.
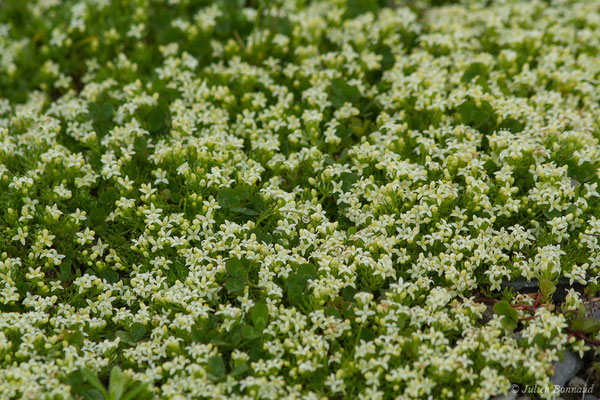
(297,199)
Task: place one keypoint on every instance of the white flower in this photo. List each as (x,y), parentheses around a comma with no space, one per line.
(20,236)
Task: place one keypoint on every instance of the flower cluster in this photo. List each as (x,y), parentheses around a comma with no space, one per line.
(288,199)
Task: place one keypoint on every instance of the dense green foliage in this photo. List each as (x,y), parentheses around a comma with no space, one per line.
(295,199)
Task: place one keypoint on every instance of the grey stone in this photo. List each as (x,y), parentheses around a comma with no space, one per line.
(577,382)
(567,368)
(523,398)
(507,396)
(518,335)
(590,397)
(520,283)
(592,308)
(488,314)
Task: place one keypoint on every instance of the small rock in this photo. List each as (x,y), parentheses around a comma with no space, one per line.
(518,335)
(488,314)
(562,288)
(592,308)
(507,396)
(521,284)
(590,397)
(567,368)
(523,398)
(577,382)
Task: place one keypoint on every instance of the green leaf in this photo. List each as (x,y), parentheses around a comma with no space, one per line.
(332,312)
(110,276)
(505,309)
(473,70)
(117,383)
(137,393)
(592,289)
(348,293)
(577,324)
(591,325)
(106,112)
(125,337)
(257,232)
(249,332)
(91,377)
(238,195)
(583,172)
(259,313)
(215,338)
(470,113)
(297,282)
(137,331)
(258,202)
(508,324)
(348,310)
(388,58)
(216,366)
(308,271)
(547,287)
(235,336)
(239,370)
(76,339)
(282,25)
(235,268)
(65,270)
(343,92)
(97,216)
(101,112)
(317,379)
(234,285)
(224,198)
(267,238)
(511,125)
(244,210)
(75,378)
(92,394)
(155,120)
(348,179)
(294,292)
(199,335)
(140,144)
(550,215)
(355,8)
(367,334)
